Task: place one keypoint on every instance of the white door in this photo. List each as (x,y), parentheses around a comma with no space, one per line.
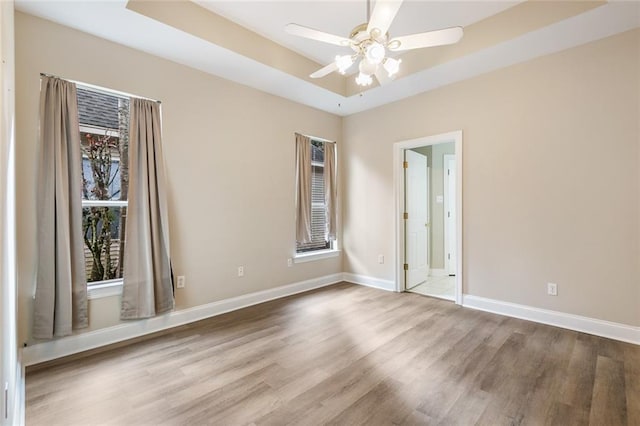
(416,219)
(450,213)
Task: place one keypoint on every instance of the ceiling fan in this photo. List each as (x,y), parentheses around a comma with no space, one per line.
(371,43)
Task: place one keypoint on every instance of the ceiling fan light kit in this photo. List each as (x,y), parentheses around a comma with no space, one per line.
(392,66)
(344,62)
(371,42)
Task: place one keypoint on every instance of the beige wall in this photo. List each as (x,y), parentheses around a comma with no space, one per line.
(551,181)
(229,156)
(541,201)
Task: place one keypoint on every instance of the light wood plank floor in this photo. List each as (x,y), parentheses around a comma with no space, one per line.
(347,355)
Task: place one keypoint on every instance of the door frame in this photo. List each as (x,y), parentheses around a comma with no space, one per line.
(399,196)
(447,203)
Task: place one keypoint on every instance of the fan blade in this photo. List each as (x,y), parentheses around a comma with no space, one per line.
(382,76)
(428,39)
(306,32)
(383,14)
(324,71)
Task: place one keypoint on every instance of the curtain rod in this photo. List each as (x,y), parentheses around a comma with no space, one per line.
(315,138)
(116,93)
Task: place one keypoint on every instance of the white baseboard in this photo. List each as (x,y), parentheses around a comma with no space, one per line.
(438,273)
(370,281)
(69,345)
(612,330)
(65,346)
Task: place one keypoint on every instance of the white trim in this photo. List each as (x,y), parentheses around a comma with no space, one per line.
(105,90)
(310,256)
(19,400)
(369,281)
(438,273)
(104,203)
(398,176)
(105,289)
(611,330)
(459,211)
(447,204)
(97,130)
(317,139)
(58,348)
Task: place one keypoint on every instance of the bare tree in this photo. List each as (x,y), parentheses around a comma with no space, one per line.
(97,221)
(123,148)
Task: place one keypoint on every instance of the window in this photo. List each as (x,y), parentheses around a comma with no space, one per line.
(315,199)
(320,239)
(104,136)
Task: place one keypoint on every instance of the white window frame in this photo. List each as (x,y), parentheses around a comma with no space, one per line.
(105,288)
(313,255)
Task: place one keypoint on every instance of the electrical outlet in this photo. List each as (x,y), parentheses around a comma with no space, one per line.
(241,271)
(289,262)
(552,289)
(380,258)
(181,281)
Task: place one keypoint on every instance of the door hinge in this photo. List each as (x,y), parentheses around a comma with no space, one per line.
(448,172)
(406,215)
(406,266)
(405,165)
(448,214)
(449,256)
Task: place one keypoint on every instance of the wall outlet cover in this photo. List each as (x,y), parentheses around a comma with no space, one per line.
(181,281)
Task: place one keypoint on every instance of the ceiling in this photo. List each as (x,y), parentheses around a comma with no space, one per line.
(244,41)
(268,19)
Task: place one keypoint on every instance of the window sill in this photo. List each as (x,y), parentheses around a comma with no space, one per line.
(106,289)
(315,255)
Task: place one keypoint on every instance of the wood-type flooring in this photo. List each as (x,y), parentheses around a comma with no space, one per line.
(346,355)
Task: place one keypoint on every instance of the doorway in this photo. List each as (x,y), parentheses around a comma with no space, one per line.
(428,219)
(416,218)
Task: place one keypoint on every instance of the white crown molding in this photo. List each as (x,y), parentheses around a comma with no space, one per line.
(70,345)
(611,330)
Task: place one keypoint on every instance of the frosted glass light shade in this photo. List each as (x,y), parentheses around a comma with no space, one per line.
(364,80)
(344,63)
(392,66)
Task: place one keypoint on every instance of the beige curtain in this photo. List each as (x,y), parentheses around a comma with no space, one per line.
(147,282)
(61,285)
(303,189)
(330,190)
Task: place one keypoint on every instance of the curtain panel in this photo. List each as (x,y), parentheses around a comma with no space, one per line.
(303,189)
(147,282)
(61,286)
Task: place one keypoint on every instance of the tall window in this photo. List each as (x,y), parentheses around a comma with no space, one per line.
(318,206)
(104,136)
(315,194)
